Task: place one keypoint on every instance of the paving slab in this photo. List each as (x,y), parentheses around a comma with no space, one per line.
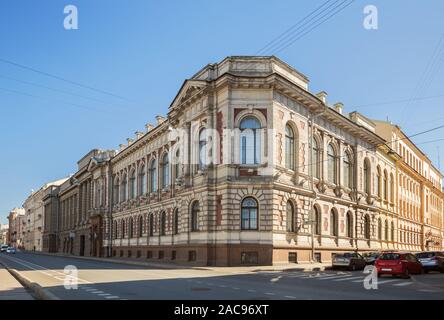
(10,288)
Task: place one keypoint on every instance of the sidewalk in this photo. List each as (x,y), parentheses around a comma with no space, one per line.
(10,288)
(243,269)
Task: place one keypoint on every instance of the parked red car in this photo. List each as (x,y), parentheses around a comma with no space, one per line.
(398,264)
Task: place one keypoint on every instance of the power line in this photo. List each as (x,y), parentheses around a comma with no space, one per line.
(283,35)
(376,146)
(298,36)
(42,98)
(397,101)
(56,90)
(62,79)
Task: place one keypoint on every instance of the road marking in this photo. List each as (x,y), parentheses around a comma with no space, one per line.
(348,278)
(104,294)
(402,284)
(361,280)
(112,297)
(222,286)
(89,290)
(235,288)
(387,281)
(333,277)
(270,293)
(290,297)
(97,292)
(251,290)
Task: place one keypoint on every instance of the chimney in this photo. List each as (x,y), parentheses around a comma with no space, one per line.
(160,119)
(323,96)
(149,127)
(338,107)
(130,141)
(139,134)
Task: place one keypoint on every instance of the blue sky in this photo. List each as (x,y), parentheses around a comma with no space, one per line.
(143,50)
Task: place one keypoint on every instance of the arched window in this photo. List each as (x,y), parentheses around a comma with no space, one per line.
(250,141)
(367,227)
(165,171)
(151,221)
(249,214)
(332,166)
(176,221)
(379,229)
(202,149)
(122,227)
(349,227)
(116,191)
(153,176)
(392,188)
(316,163)
(130,228)
(132,184)
(195,216)
(142,180)
(163,223)
(386,231)
(348,170)
(333,223)
(289,148)
(316,220)
(290,217)
(385,185)
(140,227)
(366,176)
(378,181)
(123,188)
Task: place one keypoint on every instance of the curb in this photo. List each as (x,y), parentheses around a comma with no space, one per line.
(39,292)
(134,263)
(173,267)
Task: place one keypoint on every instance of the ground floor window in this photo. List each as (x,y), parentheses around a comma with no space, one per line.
(292,257)
(249,258)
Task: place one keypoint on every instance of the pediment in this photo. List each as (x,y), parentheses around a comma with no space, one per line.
(188,89)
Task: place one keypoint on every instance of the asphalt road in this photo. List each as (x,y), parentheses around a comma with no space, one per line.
(111,281)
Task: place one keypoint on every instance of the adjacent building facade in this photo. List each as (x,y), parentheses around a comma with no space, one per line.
(34,217)
(250,167)
(16,221)
(4,234)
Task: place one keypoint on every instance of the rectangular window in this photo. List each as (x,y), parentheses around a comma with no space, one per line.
(317,257)
(173,255)
(249,258)
(192,255)
(149,254)
(161,254)
(292,257)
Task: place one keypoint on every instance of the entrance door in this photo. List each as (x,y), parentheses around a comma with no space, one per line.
(82,245)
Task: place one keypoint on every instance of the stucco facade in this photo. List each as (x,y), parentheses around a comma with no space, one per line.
(248,167)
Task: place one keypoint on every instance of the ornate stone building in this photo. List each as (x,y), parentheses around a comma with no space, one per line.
(16,222)
(35,218)
(248,167)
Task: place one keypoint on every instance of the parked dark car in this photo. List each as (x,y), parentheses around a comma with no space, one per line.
(351,261)
(398,264)
(431,261)
(370,257)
